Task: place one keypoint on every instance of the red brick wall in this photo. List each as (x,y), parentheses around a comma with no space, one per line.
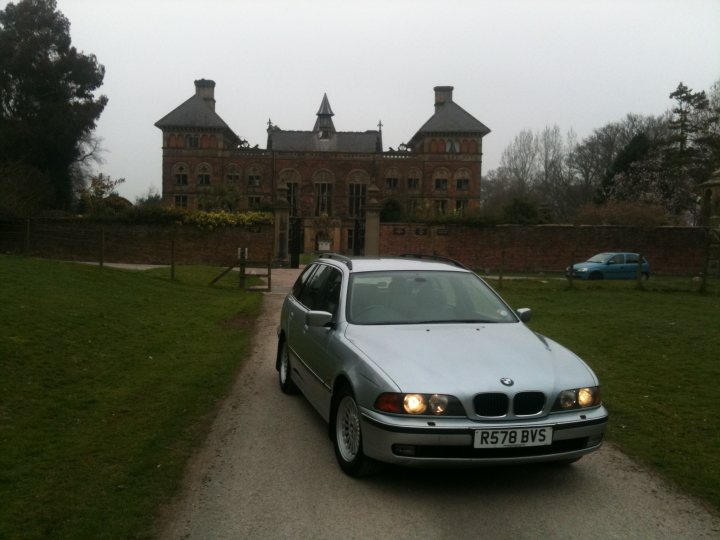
(80,240)
(547,248)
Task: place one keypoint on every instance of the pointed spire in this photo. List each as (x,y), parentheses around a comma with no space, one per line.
(325,109)
(324,125)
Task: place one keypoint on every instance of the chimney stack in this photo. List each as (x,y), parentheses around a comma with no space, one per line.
(443,94)
(206,89)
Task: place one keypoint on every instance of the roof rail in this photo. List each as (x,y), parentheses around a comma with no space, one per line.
(435,258)
(338,257)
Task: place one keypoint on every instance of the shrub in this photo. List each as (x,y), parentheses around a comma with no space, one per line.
(622,213)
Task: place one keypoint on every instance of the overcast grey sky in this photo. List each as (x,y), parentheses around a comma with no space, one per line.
(515,64)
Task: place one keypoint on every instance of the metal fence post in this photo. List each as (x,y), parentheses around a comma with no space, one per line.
(102,246)
(241,262)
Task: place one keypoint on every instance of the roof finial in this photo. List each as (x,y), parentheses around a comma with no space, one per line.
(380,125)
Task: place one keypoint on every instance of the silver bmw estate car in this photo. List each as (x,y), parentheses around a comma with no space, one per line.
(417,361)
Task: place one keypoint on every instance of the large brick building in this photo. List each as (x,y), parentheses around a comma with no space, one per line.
(328,178)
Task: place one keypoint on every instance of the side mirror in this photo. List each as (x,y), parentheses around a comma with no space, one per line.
(524,313)
(318,318)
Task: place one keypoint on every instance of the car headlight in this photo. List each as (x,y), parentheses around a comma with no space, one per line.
(583,269)
(578,398)
(419,404)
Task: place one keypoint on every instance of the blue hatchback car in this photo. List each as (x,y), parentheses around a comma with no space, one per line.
(610,266)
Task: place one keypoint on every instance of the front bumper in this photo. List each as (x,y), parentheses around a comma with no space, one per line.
(577,274)
(449,442)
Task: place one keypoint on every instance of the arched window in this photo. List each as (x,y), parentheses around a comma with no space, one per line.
(452,146)
(414,179)
(440,179)
(232,174)
(180,174)
(392,179)
(203,173)
(291,178)
(254,176)
(462,180)
(191,140)
(323,181)
(173,141)
(358,181)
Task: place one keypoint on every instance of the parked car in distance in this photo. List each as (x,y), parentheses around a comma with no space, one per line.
(611,265)
(417,361)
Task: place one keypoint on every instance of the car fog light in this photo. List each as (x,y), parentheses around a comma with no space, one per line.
(414,404)
(438,403)
(404,450)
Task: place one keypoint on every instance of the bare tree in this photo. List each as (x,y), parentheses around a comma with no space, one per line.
(519,159)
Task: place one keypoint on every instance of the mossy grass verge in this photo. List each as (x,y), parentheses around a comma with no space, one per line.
(657,353)
(108,380)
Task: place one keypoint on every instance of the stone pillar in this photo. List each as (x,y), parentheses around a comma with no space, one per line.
(372,222)
(282,219)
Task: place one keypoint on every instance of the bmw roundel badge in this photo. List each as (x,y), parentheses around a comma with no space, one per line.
(507,381)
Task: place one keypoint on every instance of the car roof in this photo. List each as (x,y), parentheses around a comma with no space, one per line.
(408,263)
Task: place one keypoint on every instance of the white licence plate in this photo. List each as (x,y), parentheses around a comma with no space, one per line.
(513,437)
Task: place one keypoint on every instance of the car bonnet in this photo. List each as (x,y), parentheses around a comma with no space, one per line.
(463,359)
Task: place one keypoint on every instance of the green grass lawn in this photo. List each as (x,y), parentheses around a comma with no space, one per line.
(657,353)
(107,381)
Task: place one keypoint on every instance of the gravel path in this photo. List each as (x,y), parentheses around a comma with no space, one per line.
(267,470)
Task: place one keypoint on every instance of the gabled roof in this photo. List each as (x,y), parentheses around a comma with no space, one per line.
(342,141)
(193,113)
(451,118)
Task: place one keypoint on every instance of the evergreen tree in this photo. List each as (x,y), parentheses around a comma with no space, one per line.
(47,104)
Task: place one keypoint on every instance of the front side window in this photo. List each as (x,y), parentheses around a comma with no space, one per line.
(321,292)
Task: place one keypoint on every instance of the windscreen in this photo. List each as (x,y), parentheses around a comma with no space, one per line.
(412,297)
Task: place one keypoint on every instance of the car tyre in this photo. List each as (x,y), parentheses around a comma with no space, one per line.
(287,385)
(347,436)
(595,276)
